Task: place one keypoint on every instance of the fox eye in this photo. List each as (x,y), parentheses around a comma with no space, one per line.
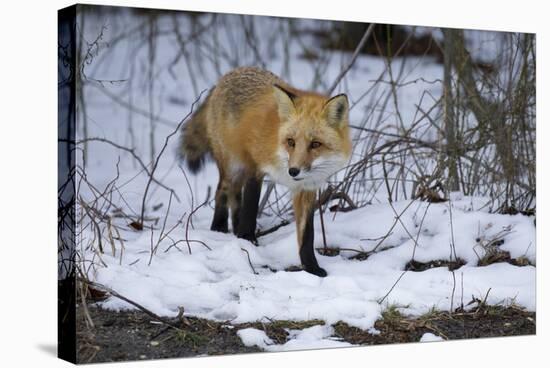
(315,144)
(290,142)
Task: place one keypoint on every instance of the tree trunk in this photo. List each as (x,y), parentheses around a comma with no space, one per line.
(449,116)
(489,114)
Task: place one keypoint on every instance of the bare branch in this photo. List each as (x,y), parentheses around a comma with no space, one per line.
(348,66)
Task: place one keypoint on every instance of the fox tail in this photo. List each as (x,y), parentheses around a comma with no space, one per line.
(194,145)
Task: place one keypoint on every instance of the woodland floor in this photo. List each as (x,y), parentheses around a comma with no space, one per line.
(133,335)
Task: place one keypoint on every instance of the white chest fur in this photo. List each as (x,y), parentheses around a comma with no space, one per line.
(321,169)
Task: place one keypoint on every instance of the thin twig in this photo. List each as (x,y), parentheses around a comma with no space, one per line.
(189,220)
(322,221)
(155,164)
(249,261)
(348,66)
(272,229)
(129,301)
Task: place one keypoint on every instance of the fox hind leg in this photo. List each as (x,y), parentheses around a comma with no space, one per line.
(235,203)
(221,212)
(248,212)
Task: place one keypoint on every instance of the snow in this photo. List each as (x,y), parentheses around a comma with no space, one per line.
(430,337)
(237,282)
(316,337)
(254,337)
(220,284)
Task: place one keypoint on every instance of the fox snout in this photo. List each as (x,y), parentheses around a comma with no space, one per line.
(293,171)
(298,174)
(299,170)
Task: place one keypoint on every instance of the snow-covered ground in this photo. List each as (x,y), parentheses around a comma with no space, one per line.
(220,283)
(236,281)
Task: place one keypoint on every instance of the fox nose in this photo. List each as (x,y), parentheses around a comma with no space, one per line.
(293,171)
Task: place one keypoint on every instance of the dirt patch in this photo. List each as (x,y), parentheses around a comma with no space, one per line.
(503,256)
(328,251)
(132,335)
(488,259)
(482,322)
(421,266)
(333,252)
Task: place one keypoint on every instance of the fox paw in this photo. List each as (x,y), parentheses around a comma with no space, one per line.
(318,271)
(250,237)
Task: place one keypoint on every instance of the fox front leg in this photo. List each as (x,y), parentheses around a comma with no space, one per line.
(304,207)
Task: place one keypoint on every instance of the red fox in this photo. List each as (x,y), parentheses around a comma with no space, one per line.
(252,123)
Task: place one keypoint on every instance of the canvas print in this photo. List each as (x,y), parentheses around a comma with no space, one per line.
(232,183)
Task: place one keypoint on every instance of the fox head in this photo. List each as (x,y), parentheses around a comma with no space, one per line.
(314,139)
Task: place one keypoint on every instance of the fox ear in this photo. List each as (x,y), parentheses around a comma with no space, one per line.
(285,101)
(337,110)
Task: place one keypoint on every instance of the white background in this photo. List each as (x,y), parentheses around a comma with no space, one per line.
(28,166)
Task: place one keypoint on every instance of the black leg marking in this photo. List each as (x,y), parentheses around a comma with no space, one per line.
(307,253)
(236,212)
(219,222)
(249,210)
